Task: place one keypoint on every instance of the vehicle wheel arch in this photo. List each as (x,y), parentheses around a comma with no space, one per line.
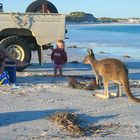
(26,34)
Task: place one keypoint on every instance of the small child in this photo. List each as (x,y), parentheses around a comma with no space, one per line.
(59,57)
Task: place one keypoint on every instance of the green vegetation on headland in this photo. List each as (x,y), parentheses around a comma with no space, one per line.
(106,19)
(82,17)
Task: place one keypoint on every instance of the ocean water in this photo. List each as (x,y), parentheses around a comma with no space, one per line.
(115,40)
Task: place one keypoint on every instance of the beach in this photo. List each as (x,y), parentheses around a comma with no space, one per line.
(25,109)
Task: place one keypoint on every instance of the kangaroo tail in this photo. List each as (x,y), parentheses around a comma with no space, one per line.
(128,91)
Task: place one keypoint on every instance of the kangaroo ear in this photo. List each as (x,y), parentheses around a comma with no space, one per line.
(90,52)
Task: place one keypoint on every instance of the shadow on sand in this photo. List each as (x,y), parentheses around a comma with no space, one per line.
(48,67)
(26,116)
(69,68)
(37,78)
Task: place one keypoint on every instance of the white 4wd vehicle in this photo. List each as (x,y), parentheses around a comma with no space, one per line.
(21,33)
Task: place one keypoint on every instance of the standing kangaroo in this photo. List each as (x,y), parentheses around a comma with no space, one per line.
(110,70)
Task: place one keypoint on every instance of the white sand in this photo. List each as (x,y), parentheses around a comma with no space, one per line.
(24,110)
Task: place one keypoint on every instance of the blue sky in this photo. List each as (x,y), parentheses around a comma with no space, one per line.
(99,8)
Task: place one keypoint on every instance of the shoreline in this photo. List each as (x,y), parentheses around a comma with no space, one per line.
(101,24)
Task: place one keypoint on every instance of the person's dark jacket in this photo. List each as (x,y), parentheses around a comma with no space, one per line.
(59,56)
(2,56)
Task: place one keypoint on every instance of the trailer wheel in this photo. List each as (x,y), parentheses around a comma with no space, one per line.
(19,48)
(36,7)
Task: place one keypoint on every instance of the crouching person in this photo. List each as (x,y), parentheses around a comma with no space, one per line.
(59,57)
(3,55)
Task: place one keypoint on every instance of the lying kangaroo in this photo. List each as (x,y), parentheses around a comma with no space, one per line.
(110,70)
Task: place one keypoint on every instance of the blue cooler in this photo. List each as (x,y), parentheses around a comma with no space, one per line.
(11,69)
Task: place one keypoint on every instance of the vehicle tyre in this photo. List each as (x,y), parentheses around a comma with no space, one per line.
(19,48)
(36,7)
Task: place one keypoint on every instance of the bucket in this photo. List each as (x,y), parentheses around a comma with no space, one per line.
(11,69)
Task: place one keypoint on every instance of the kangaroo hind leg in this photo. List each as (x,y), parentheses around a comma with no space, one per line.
(106,93)
(119,93)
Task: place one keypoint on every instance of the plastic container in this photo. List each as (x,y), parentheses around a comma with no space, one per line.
(11,69)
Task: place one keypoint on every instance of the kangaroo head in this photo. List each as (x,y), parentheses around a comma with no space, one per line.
(89,58)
